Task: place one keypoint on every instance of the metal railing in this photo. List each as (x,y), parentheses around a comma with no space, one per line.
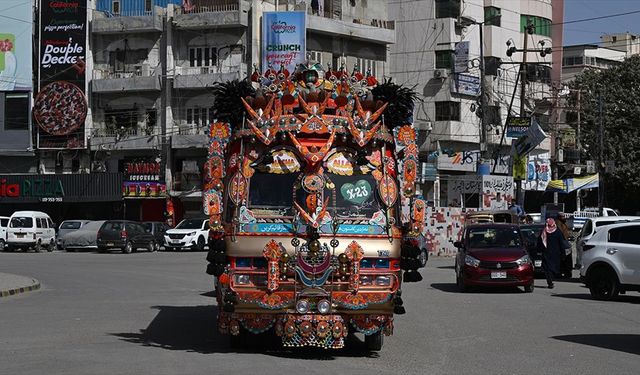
(142,70)
(128,13)
(209,6)
(197,70)
(122,132)
(192,129)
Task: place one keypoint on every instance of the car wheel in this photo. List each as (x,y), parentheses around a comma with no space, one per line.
(462,288)
(52,246)
(423,257)
(102,250)
(128,248)
(529,288)
(157,246)
(200,245)
(374,341)
(603,284)
(151,246)
(69,250)
(3,247)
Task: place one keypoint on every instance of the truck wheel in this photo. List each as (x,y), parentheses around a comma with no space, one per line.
(603,284)
(374,341)
(238,341)
(128,248)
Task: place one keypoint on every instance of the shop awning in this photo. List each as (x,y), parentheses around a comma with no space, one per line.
(569,185)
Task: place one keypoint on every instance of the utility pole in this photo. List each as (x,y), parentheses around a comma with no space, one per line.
(523,86)
(600,157)
(483,99)
(578,200)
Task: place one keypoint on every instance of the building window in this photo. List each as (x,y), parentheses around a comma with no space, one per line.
(147,6)
(203,56)
(491,16)
(16,111)
(315,56)
(366,65)
(199,116)
(115,7)
(447,111)
(542,26)
(447,8)
(444,59)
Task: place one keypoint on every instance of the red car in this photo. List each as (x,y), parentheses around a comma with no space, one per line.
(493,255)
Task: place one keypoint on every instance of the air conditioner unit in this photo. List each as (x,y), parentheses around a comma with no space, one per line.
(440,73)
(146,70)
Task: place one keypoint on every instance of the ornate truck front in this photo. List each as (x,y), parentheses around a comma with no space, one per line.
(310,193)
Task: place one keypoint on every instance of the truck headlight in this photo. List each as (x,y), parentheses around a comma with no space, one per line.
(302,306)
(324,306)
(366,280)
(383,281)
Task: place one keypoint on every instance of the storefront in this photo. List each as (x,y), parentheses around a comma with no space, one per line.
(144,189)
(92,196)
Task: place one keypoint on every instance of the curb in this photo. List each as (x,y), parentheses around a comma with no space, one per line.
(14,291)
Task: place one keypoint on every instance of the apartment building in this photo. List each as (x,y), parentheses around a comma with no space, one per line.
(153,63)
(430,52)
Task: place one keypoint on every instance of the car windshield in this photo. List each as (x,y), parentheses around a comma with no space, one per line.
(148,227)
(493,237)
(21,222)
(70,225)
(531,234)
(191,224)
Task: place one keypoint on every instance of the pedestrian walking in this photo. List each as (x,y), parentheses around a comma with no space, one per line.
(552,244)
(515,208)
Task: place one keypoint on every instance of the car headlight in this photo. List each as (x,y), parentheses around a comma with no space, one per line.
(191,234)
(242,279)
(383,281)
(324,306)
(524,260)
(471,261)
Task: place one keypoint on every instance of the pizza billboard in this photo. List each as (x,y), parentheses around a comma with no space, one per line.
(60,107)
(16,46)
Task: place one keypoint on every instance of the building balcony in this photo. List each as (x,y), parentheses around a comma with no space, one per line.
(372,31)
(212,13)
(132,22)
(194,77)
(190,136)
(143,79)
(131,138)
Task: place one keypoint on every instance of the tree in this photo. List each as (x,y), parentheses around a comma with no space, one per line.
(620,93)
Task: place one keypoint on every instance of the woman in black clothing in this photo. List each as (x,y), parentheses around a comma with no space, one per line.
(552,243)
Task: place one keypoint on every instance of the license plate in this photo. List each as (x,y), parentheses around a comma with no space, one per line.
(498,275)
(110,244)
(20,235)
(538,263)
(175,241)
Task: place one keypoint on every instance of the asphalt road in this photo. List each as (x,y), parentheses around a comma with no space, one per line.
(151,313)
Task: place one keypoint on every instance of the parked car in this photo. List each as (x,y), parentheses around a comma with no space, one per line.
(31,229)
(591,226)
(189,234)
(127,236)
(4,221)
(493,255)
(68,226)
(530,234)
(611,261)
(158,230)
(578,218)
(84,238)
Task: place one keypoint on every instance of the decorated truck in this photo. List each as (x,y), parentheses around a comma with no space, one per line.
(310,190)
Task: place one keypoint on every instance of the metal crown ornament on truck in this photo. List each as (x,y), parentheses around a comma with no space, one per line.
(310,184)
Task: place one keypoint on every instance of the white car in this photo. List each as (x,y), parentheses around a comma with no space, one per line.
(611,261)
(31,229)
(4,221)
(578,218)
(189,234)
(591,226)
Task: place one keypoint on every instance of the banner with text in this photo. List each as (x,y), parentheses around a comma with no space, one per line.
(60,108)
(15,46)
(284,37)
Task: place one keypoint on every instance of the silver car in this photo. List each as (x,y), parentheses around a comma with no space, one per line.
(591,226)
(68,226)
(82,239)
(611,260)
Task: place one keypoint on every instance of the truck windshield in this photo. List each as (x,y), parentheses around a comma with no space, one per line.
(354,195)
(270,190)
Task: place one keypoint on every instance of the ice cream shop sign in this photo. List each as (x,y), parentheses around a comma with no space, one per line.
(34,187)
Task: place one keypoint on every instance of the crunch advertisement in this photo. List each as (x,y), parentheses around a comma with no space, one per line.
(60,107)
(284,36)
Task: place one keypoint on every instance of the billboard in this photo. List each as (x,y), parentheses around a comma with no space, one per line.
(60,107)
(284,37)
(465,84)
(16,45)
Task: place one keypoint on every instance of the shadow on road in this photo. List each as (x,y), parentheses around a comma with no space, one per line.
(453,288)
(627,343)
(194,329)
(586,296)
(446,267)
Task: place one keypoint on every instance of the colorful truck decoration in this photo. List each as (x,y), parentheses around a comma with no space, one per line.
(310,185)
